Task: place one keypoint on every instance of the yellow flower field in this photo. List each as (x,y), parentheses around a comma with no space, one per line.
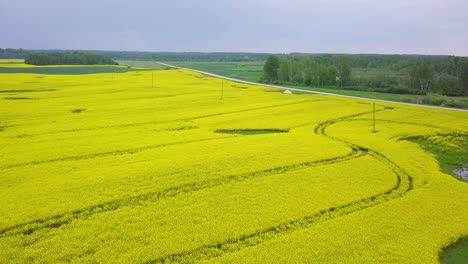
(174,166)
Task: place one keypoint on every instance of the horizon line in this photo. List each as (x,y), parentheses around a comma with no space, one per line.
(249,52)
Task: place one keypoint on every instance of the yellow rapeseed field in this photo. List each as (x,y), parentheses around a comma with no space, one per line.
(175,166)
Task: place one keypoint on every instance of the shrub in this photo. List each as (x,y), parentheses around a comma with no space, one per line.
(441,100)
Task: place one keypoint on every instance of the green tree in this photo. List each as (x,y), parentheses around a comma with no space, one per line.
(270,69)
(296,70)
(448,85)
(343,70)
(463,75)
(422,74)
(283,70)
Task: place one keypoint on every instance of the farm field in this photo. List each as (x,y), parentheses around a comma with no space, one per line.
(244,70)
(17,66)
(158,166)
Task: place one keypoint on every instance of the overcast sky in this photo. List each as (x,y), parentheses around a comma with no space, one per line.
(278,26)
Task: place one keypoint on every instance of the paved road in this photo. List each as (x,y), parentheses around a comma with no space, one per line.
(308,91)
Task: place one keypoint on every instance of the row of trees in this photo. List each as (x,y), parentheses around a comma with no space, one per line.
(14,53)
(322,70)
(420,75)
(149,56)
(58,58)
(427,76)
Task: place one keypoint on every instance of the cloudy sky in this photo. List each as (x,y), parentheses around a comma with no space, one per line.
(279,26)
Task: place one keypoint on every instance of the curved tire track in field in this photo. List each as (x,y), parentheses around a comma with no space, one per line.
(134,150)
(447,131)
(404,184)
(453,131)
(66,218)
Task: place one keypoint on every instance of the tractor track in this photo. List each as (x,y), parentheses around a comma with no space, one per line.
(66,218)
(404,184)
(454,131)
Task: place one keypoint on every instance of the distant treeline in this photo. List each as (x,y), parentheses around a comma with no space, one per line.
(149,56)
(394,62)
(185,56)
(60,58)
(447,75)
(417,74)
(14,53)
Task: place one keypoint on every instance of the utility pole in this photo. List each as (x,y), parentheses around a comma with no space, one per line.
(373,117)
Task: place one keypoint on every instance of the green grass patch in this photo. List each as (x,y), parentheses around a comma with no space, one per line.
(456,253)
(406,98)
(451,151)
(458,102)
(442,100)
(250,131)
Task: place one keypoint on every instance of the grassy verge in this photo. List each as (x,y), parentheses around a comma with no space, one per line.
(406,98)
(459,102)
(451,153)
(456,253)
